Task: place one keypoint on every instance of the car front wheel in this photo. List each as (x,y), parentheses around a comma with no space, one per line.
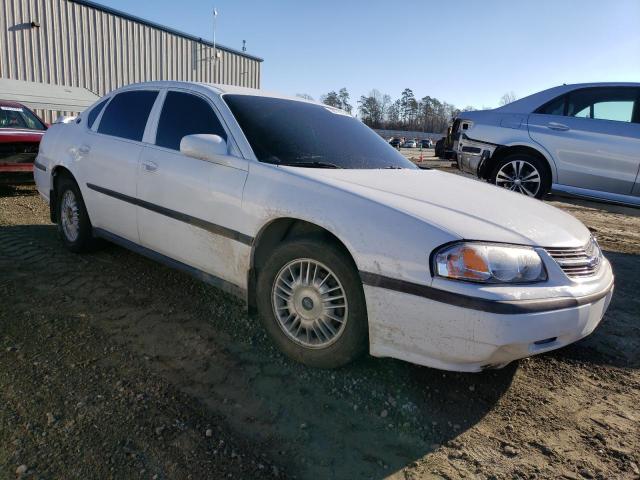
(311,303)
(522,173)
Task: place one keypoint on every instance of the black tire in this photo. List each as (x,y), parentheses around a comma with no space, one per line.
(353,339)
(539,164)
(84,240)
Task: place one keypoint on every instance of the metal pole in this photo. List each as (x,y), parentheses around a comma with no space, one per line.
(215,52)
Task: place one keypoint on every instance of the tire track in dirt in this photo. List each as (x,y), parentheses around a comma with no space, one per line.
(571,413)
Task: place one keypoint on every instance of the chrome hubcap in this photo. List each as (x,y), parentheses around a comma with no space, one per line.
(69,216)
(309,303)
(519,176)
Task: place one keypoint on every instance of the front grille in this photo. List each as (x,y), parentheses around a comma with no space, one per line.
(578,262)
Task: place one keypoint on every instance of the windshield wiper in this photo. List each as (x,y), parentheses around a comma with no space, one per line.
(393,167)
(313,164)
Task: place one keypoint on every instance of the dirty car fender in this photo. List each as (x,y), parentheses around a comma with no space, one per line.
(380,239)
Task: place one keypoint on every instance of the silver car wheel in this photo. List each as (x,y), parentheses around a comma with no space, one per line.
(519,176)
(69,216)
(310,303)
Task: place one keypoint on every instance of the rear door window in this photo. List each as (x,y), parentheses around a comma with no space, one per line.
(606,103)
(93,114)
(126,115)
(554,107)
(185,114)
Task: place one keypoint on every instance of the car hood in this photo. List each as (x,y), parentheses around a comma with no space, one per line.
(464,207)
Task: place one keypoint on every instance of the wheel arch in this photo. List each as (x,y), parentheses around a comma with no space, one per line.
(504,150)
(275,232)
(58,172)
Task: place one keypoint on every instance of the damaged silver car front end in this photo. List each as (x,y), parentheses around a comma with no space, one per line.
(473,155)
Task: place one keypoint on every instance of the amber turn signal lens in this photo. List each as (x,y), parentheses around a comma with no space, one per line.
(489,263)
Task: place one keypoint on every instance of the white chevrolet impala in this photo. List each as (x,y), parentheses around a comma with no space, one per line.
(338,241)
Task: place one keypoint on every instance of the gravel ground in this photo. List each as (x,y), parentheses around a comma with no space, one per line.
(112,366)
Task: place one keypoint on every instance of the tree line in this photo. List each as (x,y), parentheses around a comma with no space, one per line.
(378,110)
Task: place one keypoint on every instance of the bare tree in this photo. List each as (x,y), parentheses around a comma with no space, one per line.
(306,96)
(508,98)
(372,108)
(379,110)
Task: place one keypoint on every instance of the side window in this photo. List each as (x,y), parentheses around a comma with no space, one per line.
(554,107)
(93,114)
(126,115)
(608,103)
(185,114)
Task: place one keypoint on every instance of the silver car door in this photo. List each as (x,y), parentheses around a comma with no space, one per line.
(591,137)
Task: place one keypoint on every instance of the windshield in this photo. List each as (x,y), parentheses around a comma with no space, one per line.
(290,132)
(19,117)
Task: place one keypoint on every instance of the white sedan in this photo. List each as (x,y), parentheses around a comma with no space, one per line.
(338,241)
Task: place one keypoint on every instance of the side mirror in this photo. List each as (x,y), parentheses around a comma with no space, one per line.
(203,146)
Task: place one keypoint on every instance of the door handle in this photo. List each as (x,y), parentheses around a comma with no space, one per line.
(557,126)
(84,149)
(150,166)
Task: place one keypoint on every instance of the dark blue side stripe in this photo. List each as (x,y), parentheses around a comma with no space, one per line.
(504,307)
(183,217)
(39,166)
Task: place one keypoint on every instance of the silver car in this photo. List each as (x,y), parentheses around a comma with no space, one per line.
(581,139)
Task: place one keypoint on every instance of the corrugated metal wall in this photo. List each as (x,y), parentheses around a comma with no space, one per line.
(81,46)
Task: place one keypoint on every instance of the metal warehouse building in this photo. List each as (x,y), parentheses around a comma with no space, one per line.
(78,43)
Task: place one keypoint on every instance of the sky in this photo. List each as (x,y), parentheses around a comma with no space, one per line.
(465,52)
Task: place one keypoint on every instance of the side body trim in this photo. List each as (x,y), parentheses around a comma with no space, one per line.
(505,307)
(170,262)
(598,195)
(183,217)
(39,166)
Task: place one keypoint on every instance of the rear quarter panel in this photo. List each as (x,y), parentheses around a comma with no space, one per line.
(49,157)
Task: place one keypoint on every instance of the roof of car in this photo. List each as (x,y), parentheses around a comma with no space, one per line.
(10,103)
(219,89)
(531,102)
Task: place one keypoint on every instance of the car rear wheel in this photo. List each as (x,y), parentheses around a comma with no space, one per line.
(311,303)
(522,173)
(74,226)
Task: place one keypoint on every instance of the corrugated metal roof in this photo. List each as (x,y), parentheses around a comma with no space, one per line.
(44,96)
(133,18)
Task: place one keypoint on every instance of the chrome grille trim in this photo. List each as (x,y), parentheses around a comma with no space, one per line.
(578,262)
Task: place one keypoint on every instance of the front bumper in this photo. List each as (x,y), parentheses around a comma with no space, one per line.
(473,155)
(449,337)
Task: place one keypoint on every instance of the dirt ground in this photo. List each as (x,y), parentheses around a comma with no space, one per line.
(112,366)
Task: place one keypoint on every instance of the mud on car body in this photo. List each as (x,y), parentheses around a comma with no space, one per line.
(340,243)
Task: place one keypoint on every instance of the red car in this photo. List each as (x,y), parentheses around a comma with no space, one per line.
(20,133)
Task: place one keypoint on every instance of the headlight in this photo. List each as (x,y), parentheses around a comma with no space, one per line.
(489,263)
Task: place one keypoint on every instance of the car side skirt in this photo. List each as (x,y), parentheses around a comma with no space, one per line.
(617,198)
(217,282)
(505,307)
